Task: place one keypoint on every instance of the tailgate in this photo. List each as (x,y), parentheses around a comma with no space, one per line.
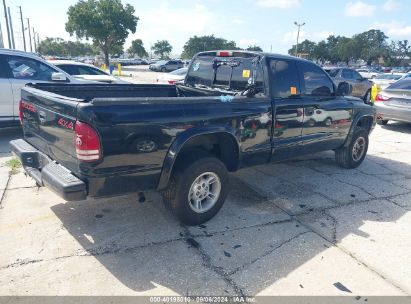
(48,124)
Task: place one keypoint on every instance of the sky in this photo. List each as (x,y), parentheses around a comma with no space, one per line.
(267,23)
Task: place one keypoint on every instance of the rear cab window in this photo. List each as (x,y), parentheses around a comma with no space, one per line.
(226,73)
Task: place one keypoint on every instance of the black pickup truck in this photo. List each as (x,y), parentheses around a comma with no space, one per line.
(235,109)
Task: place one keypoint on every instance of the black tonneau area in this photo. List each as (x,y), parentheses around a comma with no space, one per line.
(89,91)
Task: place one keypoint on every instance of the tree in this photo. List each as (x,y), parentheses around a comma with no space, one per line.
(321,51)
(206,43)
(347,50)
(306,48)
(162,48)
(59,47)
(52,47)
(106,22)
(372,44)
(137,48)
(254,48)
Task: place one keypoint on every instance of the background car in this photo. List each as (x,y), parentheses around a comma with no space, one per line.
(166,65)
(385,80)
(359,86)
(368,73)
(18,68)
(85,71)
(172,77)
(394,103)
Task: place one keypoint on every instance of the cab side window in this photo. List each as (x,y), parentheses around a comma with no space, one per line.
(356,75)
(315,81)
(347,74)
(28,68)
(284,76)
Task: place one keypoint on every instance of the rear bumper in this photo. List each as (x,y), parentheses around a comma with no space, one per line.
(48,173)
(385,112)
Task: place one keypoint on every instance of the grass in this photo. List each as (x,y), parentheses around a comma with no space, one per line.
(14,164)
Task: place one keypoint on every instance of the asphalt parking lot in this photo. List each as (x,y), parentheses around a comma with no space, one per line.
(304,227)
(139,74)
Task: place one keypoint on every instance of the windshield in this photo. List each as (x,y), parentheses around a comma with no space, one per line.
(233,73)
(161,62)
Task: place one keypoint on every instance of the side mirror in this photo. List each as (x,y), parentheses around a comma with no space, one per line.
(58,77)
(343,89)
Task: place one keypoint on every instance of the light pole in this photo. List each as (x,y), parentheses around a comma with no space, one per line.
(299,25)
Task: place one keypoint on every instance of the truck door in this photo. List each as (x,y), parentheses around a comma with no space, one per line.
(327,117)
(6,93)
(287,108)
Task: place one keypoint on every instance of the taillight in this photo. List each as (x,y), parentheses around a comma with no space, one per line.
(21,112)
(87,142)
(381,97)
(171,82)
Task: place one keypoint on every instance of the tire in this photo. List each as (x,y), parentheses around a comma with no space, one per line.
(382,122)
(367,97)
(163,69)
(185,178)
(346,157)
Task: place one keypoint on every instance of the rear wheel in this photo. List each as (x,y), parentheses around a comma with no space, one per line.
(352,156)
(382,122)
(197,189)
(163,69)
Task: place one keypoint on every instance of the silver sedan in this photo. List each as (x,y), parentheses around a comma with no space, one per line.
(394,103)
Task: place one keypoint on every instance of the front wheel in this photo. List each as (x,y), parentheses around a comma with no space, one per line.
(197,189)
(352,156)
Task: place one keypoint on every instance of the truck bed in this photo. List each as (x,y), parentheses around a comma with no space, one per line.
(88,92)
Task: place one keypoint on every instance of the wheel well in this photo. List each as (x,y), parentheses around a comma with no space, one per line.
(221,145)
(365,122)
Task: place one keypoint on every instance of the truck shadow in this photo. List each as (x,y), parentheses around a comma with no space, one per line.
(6,135)
(147,250)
